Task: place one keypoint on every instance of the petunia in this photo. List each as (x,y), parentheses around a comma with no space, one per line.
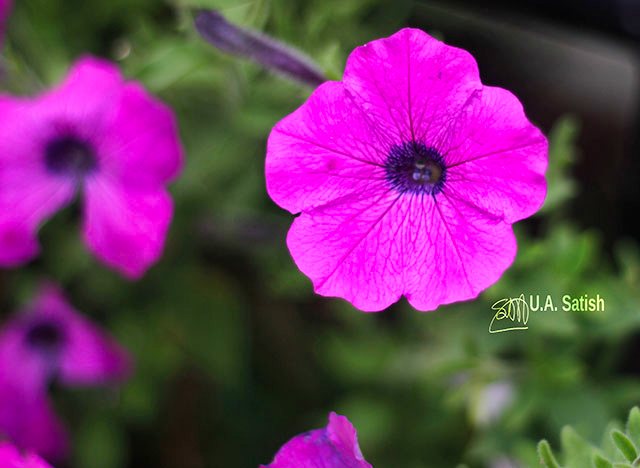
(50,340)
(103,138)
(335,446)
(408,175)
(10,457)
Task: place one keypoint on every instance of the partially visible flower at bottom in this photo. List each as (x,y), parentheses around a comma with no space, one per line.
(10,457)
(28,421)
(335,446)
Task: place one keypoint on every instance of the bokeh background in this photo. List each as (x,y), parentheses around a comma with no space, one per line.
(235,354)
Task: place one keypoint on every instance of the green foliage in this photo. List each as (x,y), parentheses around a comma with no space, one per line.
(625,446)
(578,453)
(546,455)
(561,144)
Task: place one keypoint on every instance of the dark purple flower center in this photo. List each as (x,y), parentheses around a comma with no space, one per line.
(69,155)
(415,168)
(46,336)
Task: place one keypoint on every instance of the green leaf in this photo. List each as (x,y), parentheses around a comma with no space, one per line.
(577,450)
(546,455)
(601,462)
(624,445)
(607,446)
(633,425)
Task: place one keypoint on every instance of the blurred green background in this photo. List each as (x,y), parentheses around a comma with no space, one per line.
(234,353)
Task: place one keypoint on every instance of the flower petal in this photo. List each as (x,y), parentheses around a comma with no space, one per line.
(371,252)
(10,457)
(86,99)
(142,149)
(335,446)
(348,248)
(325,150)
(124,227)
(28,420)
(497,158)
(28,194)
(343,436)
(412,84)
(455,252)
(34,370)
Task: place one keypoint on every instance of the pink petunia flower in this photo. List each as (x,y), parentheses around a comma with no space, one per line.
(335,446)
(407,175)
(103,137)
(50,341)
(10,457)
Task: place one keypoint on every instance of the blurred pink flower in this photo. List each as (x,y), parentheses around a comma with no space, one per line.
(335,446)
(10,457)
(407,175)
(95,134)
(50,341)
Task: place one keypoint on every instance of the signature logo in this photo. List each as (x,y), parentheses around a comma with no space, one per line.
(512,313)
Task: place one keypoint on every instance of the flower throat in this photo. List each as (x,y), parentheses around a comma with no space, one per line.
(69,155)
(415,168)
